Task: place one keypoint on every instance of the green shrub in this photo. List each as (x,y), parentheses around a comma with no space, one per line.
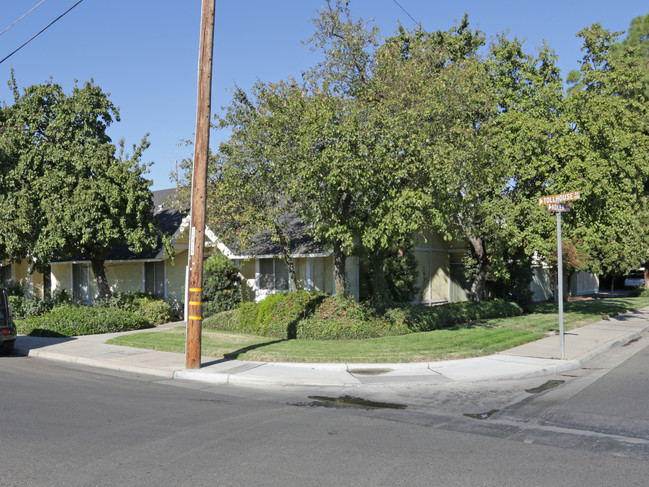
(427,318)
(155,310)
(344,318)
(221,285)
(275,316)
(72,320)
(279,314)
(151,307)
(21,306)
(224,320)
(639,291)
(16,303)
(314,316)
(14,288)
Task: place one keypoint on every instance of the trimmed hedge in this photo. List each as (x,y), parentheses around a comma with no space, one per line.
(315,316)
(339,318)
(419,318)
(70,320)
(276,316)
(154,309)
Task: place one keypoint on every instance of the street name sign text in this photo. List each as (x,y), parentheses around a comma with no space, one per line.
(559,198)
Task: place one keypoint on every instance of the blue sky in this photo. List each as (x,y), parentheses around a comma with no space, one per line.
(145,52)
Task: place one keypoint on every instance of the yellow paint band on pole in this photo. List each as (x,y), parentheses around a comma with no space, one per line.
(198,318)
(196,303)
(195,289)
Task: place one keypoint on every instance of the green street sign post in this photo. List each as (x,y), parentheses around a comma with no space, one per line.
(556,204)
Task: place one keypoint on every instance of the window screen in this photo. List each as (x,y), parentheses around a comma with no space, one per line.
(154,282)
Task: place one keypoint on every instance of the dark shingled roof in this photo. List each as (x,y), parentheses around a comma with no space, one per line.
(302,243)
(169,220)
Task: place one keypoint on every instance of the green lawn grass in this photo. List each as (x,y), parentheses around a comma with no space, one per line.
(470,340)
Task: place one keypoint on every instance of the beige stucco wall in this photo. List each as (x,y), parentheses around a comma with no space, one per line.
(32,285)
(61,277)
(128,277)
(124,276)
(434,266)
(584,283)
(175,273)
(322,276)
(542,285)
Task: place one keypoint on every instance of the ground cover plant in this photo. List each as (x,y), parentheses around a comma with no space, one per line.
(72,320)
(316,316)
(471,339)
(61,316)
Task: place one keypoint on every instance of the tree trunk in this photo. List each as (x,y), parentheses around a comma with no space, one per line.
(339,270)
(47,285)
(100,277)
(479,284)
(646,275)
(285,245)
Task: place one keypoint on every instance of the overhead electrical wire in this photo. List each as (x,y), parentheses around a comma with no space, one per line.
(40,32)
(24,15)
(407,13)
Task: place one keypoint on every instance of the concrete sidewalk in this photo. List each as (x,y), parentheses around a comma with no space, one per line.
(534,359)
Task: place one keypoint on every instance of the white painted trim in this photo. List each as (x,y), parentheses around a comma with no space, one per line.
(164,277)
(214,240)
(310,284)
(448,278)
(278,256)
(124,261)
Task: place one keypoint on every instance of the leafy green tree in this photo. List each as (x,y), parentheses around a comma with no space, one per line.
(473,135)
(634,47)
(381,141)
(605,155)
(221,284)
(67,192)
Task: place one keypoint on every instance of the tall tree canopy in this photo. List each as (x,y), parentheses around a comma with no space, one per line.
(66,190)
(604,153)
(437,130)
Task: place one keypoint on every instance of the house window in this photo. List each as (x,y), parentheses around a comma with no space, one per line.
(81,283)
(154,278)
(5,274)
(273,275)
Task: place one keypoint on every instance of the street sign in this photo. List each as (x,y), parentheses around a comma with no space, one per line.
(559,198)
(557,204)
(558,207)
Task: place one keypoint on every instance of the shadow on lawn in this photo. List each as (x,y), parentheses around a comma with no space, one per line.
(472,324)
(605,307)
(234,355)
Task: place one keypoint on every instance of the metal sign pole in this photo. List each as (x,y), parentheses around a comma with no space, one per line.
(557,203)
(560,284)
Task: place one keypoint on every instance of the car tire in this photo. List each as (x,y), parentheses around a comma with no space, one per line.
(7,347)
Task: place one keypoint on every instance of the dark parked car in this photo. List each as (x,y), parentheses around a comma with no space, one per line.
(634,279)
(7,327)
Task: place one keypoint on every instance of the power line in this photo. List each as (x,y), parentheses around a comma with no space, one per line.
(41,31)
(25,15)
(407,13)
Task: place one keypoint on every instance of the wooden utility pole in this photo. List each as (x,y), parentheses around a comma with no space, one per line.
(199,188)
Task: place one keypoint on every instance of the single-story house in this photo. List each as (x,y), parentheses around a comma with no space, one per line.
(151,271)
(440,278)
(19,273)
(264,271)
(542,285)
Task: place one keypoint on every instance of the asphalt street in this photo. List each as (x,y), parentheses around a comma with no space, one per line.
(74,425)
